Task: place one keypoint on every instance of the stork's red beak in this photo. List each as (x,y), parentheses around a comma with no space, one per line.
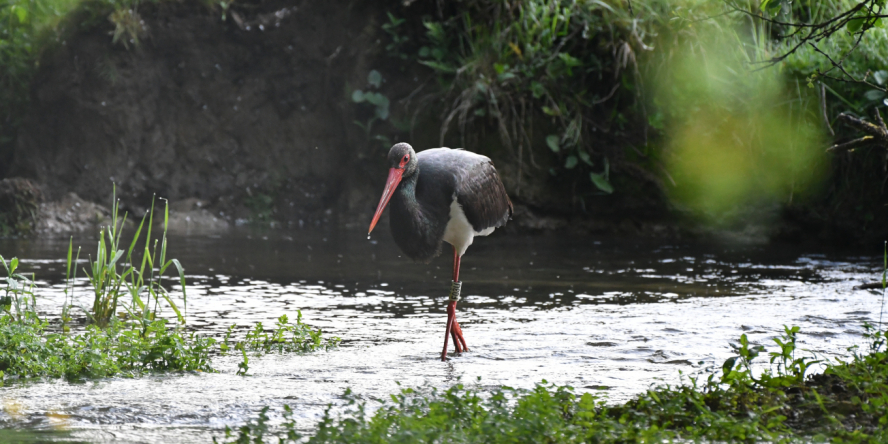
(390,184)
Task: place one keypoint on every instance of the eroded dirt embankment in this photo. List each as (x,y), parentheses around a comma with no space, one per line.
(203,109)
(249,118)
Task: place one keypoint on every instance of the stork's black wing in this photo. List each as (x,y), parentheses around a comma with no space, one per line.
(482,196)
(474,181)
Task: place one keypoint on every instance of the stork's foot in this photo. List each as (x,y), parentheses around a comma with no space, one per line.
(457,332)
(453,331)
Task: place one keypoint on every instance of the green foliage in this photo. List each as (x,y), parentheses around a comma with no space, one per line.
(859,47)
(128,26)
(285,337)
(379,102)
(396,47)
(28,27)
(736,138)
(141,284)
(70,279)
(563,67)
(27,349)
(849,403)
(18,300)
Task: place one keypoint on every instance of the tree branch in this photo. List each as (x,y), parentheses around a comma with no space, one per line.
(876,133)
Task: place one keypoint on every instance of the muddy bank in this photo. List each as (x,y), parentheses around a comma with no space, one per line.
(247,121)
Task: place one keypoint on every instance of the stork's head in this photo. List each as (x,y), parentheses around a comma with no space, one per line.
(402,157)
(402,160)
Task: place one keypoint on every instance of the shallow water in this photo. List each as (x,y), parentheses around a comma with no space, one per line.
(604,315)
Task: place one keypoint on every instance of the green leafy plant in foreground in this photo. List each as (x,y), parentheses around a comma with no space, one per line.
(29,350)
(847,403)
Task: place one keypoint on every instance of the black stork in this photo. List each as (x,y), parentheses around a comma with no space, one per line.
(442,194)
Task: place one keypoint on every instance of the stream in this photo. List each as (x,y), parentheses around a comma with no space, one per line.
(605,315)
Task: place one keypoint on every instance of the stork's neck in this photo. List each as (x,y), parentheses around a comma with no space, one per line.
(417,218)
(407,193)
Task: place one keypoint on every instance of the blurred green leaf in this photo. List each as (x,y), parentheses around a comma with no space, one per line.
(551,112)
(358,96)
(874,95)
(374,78)
(772,7)
(601,182)
(376,99)
(438,66)
(382,112)
(20,13)
(552,142)
(880,76)
(570,162)
(584,156)
(537,89)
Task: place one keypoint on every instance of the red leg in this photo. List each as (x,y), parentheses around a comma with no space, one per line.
(453,329)
(453,335)
(451,311)
(459,334)
(456,328)
(455,265)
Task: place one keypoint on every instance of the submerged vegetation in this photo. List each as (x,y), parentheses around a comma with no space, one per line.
(848,402)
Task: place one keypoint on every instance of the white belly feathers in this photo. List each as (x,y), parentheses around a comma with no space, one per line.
(459,231)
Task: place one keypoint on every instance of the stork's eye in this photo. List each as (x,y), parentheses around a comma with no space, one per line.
(404,160)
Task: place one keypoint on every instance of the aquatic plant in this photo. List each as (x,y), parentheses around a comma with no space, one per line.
(18,293)
(28,349)
(284,337)
(142,283)
(847,403)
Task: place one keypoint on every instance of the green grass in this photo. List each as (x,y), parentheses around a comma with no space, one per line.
(847,403)
(30,350)
(113,275)
(285,337)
